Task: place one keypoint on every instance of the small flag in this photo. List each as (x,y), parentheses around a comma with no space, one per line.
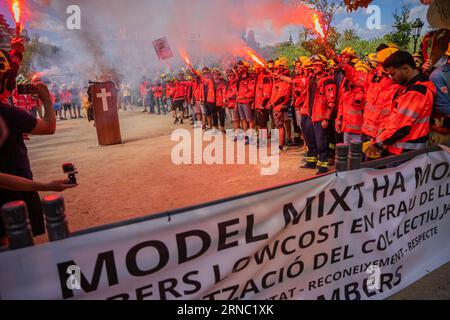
(162,49)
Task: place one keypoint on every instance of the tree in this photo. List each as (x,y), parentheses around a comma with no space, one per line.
(401,35)
(349,35)
(304,35)
(39,56)
(327,9)
(361,46)
(318,45)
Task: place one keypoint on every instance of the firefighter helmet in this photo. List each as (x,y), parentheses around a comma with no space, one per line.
(318,59)
(361,66)
(244,64)
(270,64)
(385,53)
(206,70)
(307,64)
(303,59)
(282,63)
(331,64)
(393,46)
(372,60)
(349,51)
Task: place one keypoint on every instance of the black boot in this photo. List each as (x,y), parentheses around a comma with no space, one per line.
(309,165)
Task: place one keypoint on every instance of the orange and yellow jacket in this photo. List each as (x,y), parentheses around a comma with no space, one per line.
(324,100)
(409,122)
(263,91)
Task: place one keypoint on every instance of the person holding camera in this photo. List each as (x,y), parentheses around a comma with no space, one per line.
(13,152)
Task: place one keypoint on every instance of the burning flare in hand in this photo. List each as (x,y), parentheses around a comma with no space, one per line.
(255,58)
(317,26)
(15,8)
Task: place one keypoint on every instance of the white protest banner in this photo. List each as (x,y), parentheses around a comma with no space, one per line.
(364,234)
(163,49)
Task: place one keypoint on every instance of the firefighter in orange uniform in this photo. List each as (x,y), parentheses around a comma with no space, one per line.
(380,90)
(321,98)
(220,87)
(263,93)
(231,101)
(280,99)
(409,123)
(352,99)
(198,97)
(245,98)
(179,97)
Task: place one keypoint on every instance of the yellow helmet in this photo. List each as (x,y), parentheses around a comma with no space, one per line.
(370,152)
(282,63)
(307,64)
(331,64)
(372,57)
(361,66)
(393,46)
(303,58)
(318,59)
(372,60)
(349,51)
(385,53)
(244,64)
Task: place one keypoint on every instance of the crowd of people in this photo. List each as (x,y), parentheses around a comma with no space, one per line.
(389,100)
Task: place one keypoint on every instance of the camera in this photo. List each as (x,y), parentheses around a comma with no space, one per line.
(70,170)
(26,89)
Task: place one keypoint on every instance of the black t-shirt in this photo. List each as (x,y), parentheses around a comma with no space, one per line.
(14,154)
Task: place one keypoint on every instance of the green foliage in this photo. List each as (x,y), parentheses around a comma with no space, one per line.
(39,56)
(290,51)
(349,35)
(362,46)
(401,35)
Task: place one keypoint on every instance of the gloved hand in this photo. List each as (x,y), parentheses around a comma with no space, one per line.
(17,45)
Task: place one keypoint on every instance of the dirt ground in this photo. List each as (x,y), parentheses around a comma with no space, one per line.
(138,178)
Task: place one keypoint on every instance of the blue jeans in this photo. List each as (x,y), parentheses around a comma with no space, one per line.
(245,112)
(161,108)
